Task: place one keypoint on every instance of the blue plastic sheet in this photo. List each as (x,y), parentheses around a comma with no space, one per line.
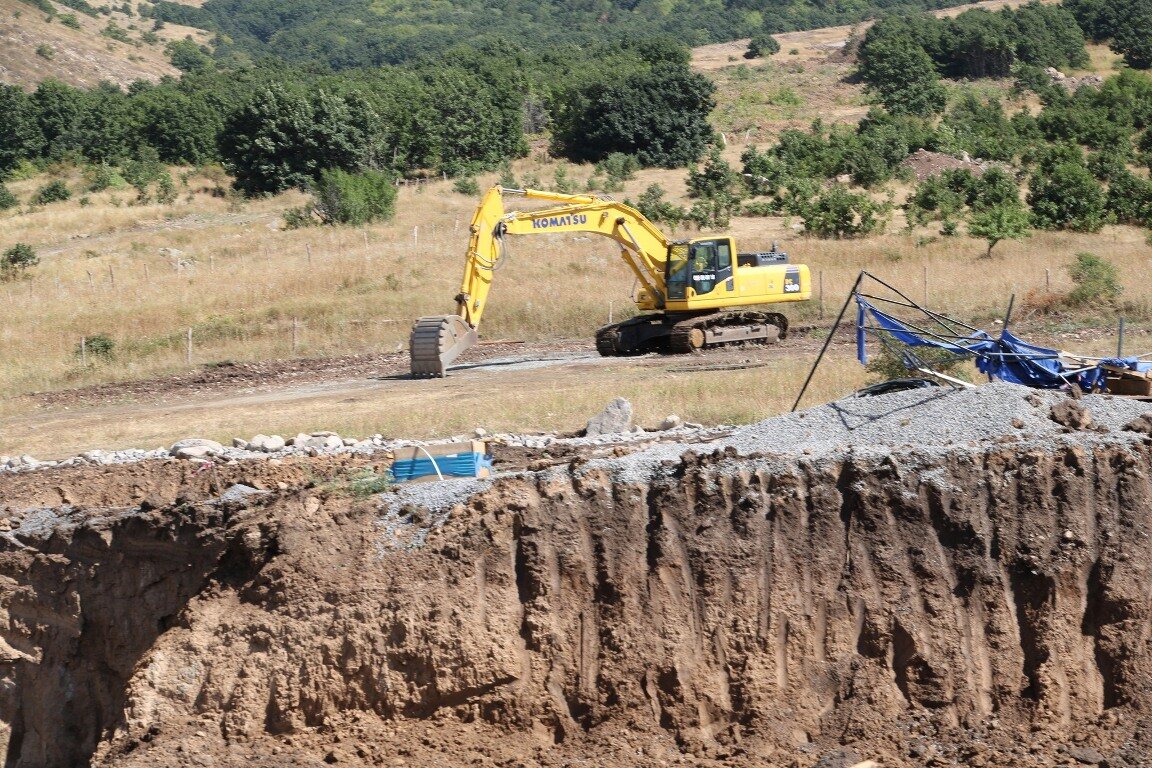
(1007,358)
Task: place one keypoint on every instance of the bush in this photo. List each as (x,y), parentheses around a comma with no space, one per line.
(466,185)
(838,213)
(52,192)
(618,168)
(45,51)
(98,346)
(653,205)
(1096,281)
(354,198)
(761,45)
(7,199)
(890,361)
(70,20)
(16,260)
(1067,197)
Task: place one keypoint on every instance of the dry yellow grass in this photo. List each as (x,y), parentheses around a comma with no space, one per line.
(248,289)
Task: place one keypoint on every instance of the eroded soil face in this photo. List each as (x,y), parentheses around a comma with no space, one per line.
(990,607)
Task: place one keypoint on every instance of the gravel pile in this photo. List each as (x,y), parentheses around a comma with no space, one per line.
(929,422)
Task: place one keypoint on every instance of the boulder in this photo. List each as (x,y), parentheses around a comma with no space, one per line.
(266,443)
(1070,413)
(671,421)
(614,419)
(195,448)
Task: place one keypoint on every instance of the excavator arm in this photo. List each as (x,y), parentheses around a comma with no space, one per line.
(438,340)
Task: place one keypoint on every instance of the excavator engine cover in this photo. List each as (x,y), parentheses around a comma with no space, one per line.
(438,340)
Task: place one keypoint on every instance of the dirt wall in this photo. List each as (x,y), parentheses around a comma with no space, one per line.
(987,608)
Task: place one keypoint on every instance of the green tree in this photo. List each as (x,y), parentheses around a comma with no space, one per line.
(760,45)
(655,208)
(1003,221)
(187,56)
(838,213)
(58,109)
(901,75)
(354,198)
(1067,197)
(659,116)
(52,192)
(20,135)
(285,137)
(1132,36)
(17,260)
(717,190)
(7,199)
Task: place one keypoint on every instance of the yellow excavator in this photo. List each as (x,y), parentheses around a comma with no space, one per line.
(684,286)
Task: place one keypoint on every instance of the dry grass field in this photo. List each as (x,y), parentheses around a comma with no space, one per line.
(227,271)
(34,48)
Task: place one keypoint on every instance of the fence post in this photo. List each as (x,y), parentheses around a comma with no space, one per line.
(295,332)
(84,351)
(821,273)
(188,349)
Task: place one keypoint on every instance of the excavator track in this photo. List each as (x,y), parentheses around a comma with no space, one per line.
(436,341)
(696,333)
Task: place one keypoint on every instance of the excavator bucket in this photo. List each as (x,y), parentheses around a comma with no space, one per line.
(437,341)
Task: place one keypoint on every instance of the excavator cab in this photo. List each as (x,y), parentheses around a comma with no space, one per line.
(696,267)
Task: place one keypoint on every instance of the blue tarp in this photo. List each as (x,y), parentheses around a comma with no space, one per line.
(1007,358)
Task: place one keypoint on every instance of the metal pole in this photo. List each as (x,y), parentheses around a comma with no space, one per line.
(84,351)
(188,349)
(1120,339)
(1008,314)
(925,285)
(828,340)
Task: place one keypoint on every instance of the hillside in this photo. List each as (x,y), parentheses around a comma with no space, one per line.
(35,47)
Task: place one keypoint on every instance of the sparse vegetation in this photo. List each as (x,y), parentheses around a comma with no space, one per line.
(52,192)
(17,260)
(99,346)
(1096,279)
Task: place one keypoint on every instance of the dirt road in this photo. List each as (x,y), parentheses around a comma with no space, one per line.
(500,386)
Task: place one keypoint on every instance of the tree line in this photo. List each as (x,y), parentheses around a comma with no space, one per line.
(344,34)
(275,127)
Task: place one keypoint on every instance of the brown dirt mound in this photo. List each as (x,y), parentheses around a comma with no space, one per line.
(977,609)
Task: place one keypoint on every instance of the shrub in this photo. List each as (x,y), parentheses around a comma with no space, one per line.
(70,20)
(466,185)
(1096,281)
(16,260)
(354,198)
(653,205)
(892,358)
(618,168)
(7,199)
(52,192)
(761,45)
(45,51)
(98,346)
(838,213)
(1067,197)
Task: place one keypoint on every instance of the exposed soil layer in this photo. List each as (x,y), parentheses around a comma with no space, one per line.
(987,607)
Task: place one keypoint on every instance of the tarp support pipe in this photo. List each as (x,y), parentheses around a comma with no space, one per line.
(828,341)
